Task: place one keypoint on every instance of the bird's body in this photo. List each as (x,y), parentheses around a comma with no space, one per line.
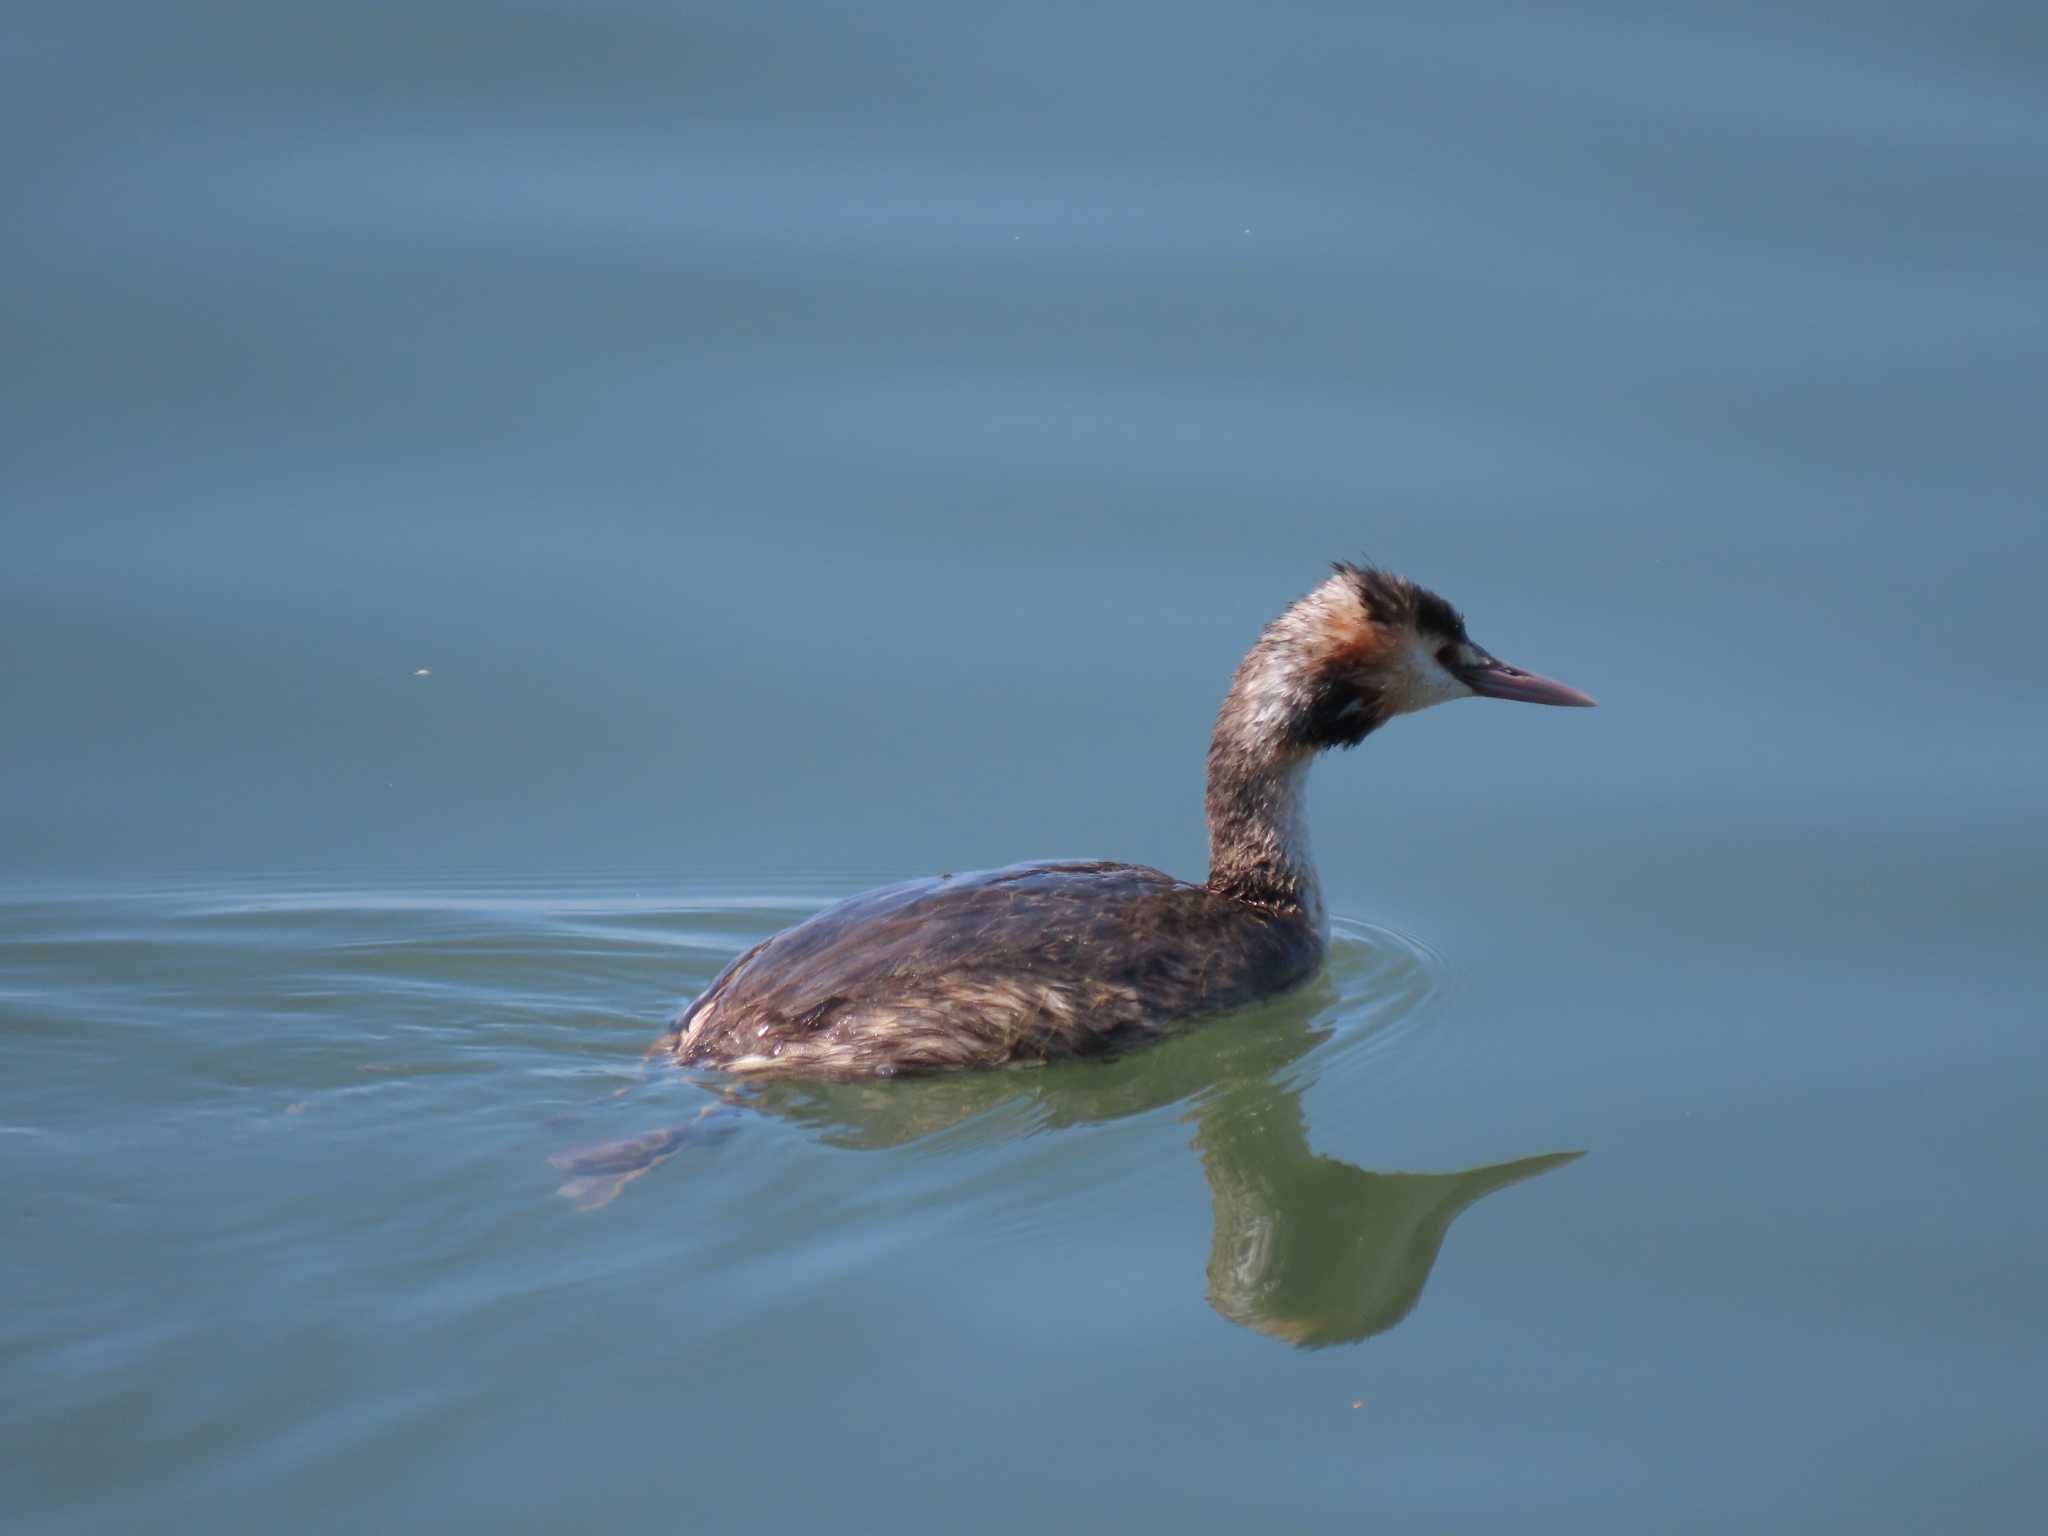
(1027,963)
(1039,961)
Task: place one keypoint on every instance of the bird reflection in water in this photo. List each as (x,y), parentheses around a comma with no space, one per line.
(1305,1248)
(1310,1249)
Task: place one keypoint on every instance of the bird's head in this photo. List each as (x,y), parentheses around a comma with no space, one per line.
(1368,645)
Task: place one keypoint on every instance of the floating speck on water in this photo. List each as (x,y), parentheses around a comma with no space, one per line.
(423,672)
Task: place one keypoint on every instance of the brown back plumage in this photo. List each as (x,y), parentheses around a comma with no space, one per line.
(1031,962)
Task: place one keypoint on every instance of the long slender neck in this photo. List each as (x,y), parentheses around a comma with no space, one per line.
(1257,800)
(1258,832)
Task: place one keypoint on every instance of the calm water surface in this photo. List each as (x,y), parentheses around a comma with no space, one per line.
(502,506)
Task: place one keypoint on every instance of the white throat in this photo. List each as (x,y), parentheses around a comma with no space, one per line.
(1290,838)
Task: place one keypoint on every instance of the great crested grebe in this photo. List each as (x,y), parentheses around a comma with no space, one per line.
(1039,961)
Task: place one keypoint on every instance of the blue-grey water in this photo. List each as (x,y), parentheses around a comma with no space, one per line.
(501,506)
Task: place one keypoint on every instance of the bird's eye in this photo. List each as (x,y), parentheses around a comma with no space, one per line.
(1447,655)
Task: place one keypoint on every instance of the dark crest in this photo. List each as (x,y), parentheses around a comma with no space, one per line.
(1396,601)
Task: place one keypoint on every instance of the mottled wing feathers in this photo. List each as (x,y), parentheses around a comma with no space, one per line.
(1025,963)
